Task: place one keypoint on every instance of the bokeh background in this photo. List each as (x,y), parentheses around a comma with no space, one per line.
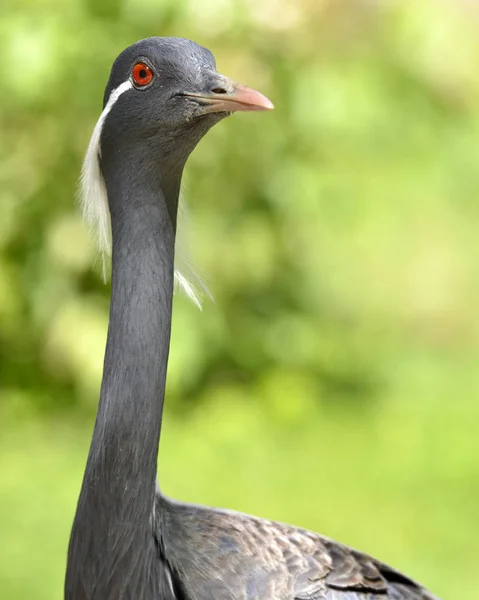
(334,382)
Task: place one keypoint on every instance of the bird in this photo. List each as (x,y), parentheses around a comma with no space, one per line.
(129,540)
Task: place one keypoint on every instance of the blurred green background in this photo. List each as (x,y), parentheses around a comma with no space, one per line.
(334,382)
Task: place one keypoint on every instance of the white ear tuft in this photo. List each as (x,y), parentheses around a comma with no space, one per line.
(93,197)
(188,288)
(186,279)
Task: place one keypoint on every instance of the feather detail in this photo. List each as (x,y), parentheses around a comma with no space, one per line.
(93,196)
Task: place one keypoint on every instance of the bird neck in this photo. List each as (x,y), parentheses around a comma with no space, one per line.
(128,424)
(117,498)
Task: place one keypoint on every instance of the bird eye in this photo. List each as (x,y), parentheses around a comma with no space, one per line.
(142,74)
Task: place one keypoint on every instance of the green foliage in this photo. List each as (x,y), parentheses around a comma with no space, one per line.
(333,382)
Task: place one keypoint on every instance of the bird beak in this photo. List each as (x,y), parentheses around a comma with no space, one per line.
(228,96)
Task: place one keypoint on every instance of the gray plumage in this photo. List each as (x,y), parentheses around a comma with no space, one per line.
(128,541)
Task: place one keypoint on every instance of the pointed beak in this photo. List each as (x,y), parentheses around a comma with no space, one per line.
(226,95)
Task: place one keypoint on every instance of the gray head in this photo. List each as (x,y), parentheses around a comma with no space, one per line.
(162,96)
(173,96)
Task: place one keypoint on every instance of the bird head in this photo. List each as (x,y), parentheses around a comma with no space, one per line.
(162,96)
(168,89)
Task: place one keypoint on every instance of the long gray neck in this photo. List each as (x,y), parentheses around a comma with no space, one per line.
(113,523)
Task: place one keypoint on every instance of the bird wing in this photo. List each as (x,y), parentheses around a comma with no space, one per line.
(322,569)
(351,575)
(248,558)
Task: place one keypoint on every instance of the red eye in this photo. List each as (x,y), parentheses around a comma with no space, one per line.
(142,74)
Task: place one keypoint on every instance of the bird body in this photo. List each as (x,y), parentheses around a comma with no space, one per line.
(227,555)
(128,541)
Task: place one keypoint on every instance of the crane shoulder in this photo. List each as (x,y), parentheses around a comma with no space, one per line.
(238,556)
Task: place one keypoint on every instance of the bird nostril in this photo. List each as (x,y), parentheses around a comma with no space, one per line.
(219,90)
